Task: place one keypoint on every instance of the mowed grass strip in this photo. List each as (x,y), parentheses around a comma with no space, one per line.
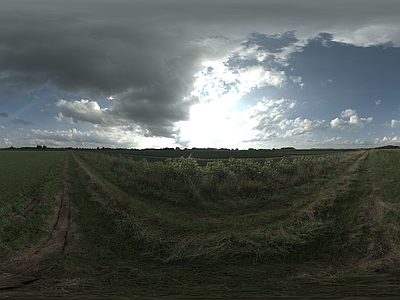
(381,210)
(29,181)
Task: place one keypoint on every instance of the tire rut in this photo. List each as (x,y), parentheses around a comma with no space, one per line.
(327,196)
(382,251)
(31,206)
(29,265)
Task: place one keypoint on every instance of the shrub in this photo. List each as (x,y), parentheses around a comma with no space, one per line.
(245,168)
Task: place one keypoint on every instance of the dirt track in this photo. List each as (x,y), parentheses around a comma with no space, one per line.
(29,265)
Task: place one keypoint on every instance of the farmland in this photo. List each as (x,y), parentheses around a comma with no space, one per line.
(204,155)
(316,223)
(29,182)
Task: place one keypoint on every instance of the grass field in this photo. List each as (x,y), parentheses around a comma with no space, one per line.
(29,181)
(86,223)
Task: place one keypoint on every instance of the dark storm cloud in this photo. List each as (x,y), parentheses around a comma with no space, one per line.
(4,115)
(145,53)
(101,51)
(79,56)
(152,110)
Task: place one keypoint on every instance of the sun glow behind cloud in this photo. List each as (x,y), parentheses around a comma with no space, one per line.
(221,118)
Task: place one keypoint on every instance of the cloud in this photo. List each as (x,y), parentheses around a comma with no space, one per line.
(258,77)
(348,113)
(363,142)
(371,35)
(139,114)
(7,142)
(272,120)
(147,55)
(148,70)
(233,76)
(123,137)
(354,123)
(339,141)
(82,111)
(276,48)
(44,111)
(329,81)
(108,48)
(297,80)
(303,126)
(270,113)
(394,123)
(387,140)
(21,121)
(77,138)
(4,115)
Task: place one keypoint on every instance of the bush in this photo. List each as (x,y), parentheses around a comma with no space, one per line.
(184,180)
(245,168)
(217,169)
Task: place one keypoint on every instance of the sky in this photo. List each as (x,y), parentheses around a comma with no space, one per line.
(200,73)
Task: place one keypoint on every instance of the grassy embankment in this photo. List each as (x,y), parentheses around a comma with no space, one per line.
(307,227)
(147,230)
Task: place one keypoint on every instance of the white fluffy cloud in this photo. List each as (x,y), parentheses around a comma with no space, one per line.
(124,137)
(394,123)
(7,142)
(257,77)
(271,112)
(348,113)
(82,111)
(297,80)
(353,124)
(371,35)
(303,126)
(386,140)
(217,81)
(89,138)
(272,118)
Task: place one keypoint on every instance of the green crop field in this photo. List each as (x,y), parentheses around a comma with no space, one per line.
(29,181)
(107,223)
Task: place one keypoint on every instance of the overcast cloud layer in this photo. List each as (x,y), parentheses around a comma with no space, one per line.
(205,73)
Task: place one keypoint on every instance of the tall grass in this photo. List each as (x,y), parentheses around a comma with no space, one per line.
(183,180)
(238,209)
